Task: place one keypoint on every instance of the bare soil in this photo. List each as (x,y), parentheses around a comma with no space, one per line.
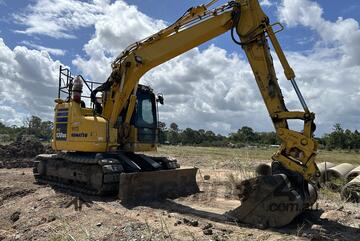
(29,211)
(32,212)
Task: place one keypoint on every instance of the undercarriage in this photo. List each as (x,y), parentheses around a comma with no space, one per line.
(120,173)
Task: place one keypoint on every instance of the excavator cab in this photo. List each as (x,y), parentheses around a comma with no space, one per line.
(78,106)
(145,115)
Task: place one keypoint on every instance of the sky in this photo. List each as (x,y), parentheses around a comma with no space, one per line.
(209,87)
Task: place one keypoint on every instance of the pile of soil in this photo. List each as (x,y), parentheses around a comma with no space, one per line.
(20,153)
(21,149)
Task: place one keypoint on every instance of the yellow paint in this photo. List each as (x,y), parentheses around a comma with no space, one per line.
(297,151)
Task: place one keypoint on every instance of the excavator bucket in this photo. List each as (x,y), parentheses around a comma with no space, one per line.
(147,186)
(270,201)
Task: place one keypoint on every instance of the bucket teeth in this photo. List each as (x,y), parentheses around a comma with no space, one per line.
(267,201)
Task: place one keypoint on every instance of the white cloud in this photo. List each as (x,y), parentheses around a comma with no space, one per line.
(28,83)
(331,89)
(58,18)
(110,39)
(52,51)
(328,73)
(209,89)
(9,116)
(343,34)
(266,3)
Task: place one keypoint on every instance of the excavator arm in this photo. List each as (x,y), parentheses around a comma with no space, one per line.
(198,25)
(265,198)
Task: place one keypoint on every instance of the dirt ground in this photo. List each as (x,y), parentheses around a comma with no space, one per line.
(32,212)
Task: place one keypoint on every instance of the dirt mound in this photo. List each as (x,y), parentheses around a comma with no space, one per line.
(20,153)
(21,149)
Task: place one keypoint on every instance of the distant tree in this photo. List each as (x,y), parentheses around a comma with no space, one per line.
(2,126)
(335,139)
(341,139)
(173,135)
(46,130)
(210,136)
(162,132)
(338,138)
(189,137)
(268,138)
(162,125)
(244,135)
(355,140)
(174,127)
(35,126)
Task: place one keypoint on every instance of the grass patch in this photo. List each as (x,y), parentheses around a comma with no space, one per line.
(339,156)
(329,194)
(221,157)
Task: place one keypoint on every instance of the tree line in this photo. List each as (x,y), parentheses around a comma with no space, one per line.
(339,138)
(32,126)
(246,136)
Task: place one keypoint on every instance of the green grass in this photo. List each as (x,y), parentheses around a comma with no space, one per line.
(338,156)
(218,156)
(219,153)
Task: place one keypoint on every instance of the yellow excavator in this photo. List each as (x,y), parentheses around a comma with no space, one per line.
(100,148)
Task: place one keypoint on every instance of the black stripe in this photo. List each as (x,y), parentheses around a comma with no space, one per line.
(61,119)
(62,114)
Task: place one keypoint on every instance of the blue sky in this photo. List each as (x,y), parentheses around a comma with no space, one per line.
(313,46)
(293,39)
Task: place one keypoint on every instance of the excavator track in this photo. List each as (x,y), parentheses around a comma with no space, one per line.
(122,174)
(84,174)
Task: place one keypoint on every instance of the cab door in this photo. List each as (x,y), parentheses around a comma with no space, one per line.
(146,117)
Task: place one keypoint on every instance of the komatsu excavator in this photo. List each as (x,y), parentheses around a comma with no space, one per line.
(99,148)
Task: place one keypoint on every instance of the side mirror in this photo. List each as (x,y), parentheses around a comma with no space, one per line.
(160,99)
